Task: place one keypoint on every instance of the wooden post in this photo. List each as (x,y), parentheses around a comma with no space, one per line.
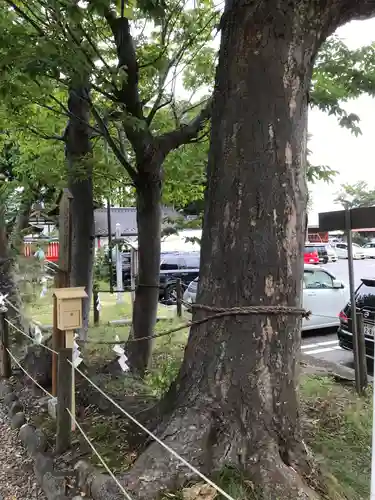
(64,400)
(69,342)
(363,380)
(179,297)
(63,274)
(95,296)
(6,367)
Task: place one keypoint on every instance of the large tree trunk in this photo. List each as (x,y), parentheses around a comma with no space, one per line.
(147,292)
(78,153)
(235,401)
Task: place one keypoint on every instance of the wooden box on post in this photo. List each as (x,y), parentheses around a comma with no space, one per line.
(67,318)
(69,307)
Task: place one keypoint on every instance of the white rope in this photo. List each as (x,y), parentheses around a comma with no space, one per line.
(30,320)
(155,438)
(31,338)
(26,373)
(99,456)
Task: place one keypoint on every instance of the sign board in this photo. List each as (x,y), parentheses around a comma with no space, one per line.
(359,218)
(65,231)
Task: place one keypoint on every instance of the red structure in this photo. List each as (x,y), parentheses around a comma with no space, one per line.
(316,236)
(50,247)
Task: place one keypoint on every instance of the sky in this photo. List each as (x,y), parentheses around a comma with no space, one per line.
(335,146)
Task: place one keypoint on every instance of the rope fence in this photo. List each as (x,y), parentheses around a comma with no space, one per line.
(154,437)
(100,458)
(33,339)
(65,397)
(28,374)
(66,412)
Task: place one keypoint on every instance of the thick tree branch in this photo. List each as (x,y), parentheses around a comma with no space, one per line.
(112,144)
(350,9)
(127,62)
(186,133)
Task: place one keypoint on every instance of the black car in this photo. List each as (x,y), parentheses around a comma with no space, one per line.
(321,248)
(365,303)
(174,265)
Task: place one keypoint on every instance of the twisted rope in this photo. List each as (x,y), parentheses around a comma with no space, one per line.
(220,313)
(274,310)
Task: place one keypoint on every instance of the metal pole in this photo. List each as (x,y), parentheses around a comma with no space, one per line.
(110,260)
(132,275)
(362,351)
(119,281)
(357,367)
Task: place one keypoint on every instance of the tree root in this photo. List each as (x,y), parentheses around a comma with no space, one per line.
(211,444)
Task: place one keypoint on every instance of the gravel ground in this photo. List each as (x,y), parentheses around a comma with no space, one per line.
(17,479)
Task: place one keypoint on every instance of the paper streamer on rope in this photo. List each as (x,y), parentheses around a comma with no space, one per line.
(98,303)
(121,354)
(77,360)
(38,336)
(3,306)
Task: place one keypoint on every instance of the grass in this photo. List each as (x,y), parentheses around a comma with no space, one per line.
(338,426)
(168,350)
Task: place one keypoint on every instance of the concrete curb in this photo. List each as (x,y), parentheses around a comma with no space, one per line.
(322,367)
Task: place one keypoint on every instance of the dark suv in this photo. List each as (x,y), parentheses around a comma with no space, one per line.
(365,303)
(183,265)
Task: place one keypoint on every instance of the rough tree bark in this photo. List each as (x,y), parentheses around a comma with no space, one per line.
(78,155)
(147,293)
(235,401)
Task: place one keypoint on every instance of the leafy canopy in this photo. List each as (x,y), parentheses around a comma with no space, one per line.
(356,195)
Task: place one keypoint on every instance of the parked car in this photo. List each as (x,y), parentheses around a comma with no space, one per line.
(323,295)
(365,303)
(325,250)
(183,265)
(341,250)
(332,255)
(369,250)
(310,255)
(320,248)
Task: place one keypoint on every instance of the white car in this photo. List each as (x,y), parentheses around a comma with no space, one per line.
(369,250)
(341,250)
(323,295)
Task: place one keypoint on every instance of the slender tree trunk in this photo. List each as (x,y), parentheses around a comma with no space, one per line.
(235,400)
(78,154)
(147,292)
(8,281)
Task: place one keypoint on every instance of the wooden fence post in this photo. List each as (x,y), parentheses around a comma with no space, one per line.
(95,297)
(6,367)
(179,297)
(64,400)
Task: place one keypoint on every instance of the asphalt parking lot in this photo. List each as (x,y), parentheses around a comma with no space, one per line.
(324,344)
